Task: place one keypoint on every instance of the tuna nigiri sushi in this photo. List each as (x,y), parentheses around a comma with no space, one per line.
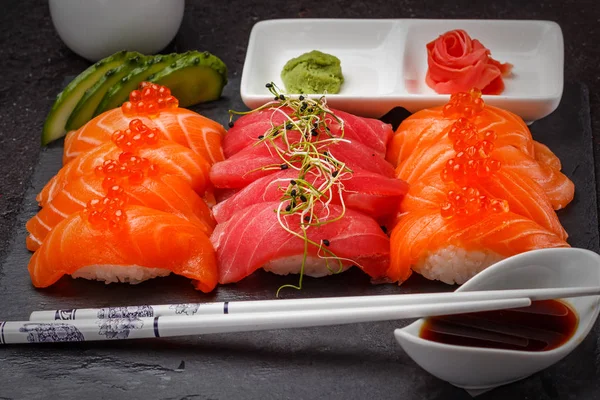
(170,157)
(372,194)
(254,238)
(168,193)
(370,132)
(141,243)
(185,127)
(257,161)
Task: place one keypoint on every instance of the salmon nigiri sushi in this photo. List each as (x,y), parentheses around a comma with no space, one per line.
(168,193)
(454,250)
(255,238)
(187,128)
(428,126)
(523,196)
(170,157)
(429,158)
(132,245)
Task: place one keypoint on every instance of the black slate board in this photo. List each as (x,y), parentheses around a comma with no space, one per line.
(348,362)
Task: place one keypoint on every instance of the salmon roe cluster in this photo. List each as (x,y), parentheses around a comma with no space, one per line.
(108,211)
(472,162)
(473,150)
(467,201)
(466,104)
(138,134)
(129,168)
(149,99)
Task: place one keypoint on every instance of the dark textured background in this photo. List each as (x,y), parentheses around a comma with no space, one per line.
(34,64)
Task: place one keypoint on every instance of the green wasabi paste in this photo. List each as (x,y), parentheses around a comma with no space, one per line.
(313,73)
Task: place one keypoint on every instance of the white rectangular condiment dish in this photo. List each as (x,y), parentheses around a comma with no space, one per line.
(384,61)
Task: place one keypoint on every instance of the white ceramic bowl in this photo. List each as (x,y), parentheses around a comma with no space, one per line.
(475,368)
(95,29)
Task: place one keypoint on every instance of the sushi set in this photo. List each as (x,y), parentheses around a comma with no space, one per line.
(318,181)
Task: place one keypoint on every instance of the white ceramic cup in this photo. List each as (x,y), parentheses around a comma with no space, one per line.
(95,29)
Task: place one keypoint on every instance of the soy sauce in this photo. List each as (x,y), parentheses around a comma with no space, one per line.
(544,325)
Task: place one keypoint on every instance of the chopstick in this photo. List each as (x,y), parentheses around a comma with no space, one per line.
(13,332)
(236,307)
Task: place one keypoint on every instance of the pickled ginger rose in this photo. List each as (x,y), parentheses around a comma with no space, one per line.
(458,63)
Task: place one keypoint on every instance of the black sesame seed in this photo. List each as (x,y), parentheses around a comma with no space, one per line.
(276,98)
(326,242)
(326,154)
(231,124)
(288,208)
(260,137)
(293,192)
(302,197)
(334,174)
(307,218)
(314,132)
(283,166)
(292,182)
(269,85)
(281,97)
(289,126)
(301,98)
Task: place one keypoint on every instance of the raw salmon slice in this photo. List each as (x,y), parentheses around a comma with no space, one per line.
(168,193)
(454,250)
(426,127)
(202,135)
(524,197)
(171,158)
(151,243)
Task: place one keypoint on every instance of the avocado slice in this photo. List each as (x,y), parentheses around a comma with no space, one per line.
(119,92)
(55,124)
(197,77)
(85,108)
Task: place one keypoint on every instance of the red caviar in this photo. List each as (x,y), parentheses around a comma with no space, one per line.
(468,201)
(138,134)
(108,211)
(148,100)
(128,168)
(466,104)
(472,161)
